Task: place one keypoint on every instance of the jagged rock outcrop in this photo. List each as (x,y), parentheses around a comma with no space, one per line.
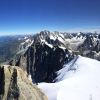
(50,50)
(41,62)
(14,85)
(91,46)
(44,57)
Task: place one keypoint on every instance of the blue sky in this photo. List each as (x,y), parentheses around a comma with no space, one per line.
(30,16)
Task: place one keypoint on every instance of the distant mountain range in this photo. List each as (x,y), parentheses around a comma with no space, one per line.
(55,57)
(52,50)
(86,44)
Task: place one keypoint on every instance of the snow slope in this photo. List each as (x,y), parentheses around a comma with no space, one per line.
(78,80)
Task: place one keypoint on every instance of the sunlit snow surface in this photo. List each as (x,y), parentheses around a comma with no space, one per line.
(78,80)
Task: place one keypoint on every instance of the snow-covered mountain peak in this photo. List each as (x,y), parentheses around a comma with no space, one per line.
(54,38)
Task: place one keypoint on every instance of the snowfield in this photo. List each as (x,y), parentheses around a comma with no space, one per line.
(78,80)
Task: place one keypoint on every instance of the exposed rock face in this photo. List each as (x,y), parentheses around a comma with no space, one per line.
(42,62)
(50,50)
(14,85)
(91,46)
(44,57)
(2,82)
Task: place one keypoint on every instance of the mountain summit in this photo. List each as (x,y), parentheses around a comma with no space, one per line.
(49,51)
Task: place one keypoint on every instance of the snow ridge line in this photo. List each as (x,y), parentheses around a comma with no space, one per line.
(69,67)
(73,63)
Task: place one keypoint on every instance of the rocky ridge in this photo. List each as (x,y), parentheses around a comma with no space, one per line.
(46,55)
(49,51)
(14,85)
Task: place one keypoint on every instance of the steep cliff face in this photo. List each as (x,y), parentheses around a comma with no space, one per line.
(46,55)
(14,85)
(41,61)
(91,46)
(49,51)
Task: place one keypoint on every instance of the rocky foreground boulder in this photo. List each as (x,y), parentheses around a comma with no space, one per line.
(14,85)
